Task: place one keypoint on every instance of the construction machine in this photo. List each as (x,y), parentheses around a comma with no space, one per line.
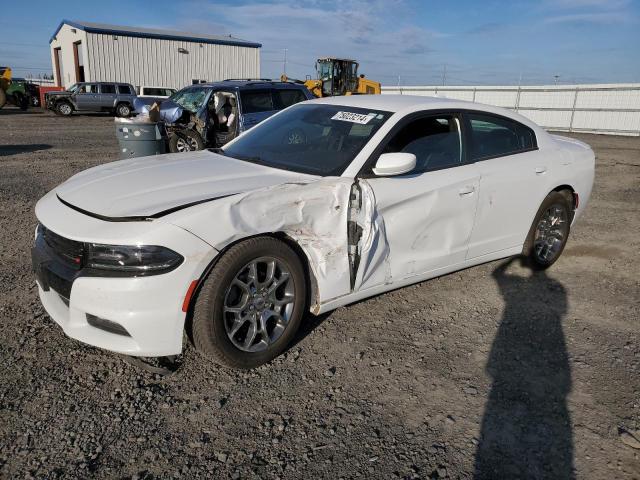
(337,76)
(11,91)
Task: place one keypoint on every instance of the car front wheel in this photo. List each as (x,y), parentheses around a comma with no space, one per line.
(550,230)
(251,304)
(187,141)
(64,108)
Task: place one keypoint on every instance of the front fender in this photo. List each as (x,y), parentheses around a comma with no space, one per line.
(313,215)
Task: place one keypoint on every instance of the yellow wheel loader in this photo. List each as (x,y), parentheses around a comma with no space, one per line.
(338,76)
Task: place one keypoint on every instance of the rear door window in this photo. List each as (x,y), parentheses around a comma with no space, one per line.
(284,98)
(494,136)
(254,101)
(107,88)
(124,90)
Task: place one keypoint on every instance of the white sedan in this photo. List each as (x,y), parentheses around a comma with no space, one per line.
(324,204)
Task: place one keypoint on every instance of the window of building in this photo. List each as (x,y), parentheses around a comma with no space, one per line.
(434,140)
(494,136)
(254,101)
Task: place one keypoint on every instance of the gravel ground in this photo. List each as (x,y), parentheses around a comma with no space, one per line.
(487,373)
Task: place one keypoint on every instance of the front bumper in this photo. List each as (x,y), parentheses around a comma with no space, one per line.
(149,310)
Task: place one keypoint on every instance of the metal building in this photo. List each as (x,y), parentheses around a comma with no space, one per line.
(94,52)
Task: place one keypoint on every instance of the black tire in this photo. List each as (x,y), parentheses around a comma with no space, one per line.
(3,98)
(64,108)
(185,141)
(123,110)
(535,247)
(22,101)
(209,331)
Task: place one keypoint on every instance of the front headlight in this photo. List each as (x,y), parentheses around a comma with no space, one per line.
(132,259)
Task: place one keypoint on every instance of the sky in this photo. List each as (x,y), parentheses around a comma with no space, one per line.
(397,42)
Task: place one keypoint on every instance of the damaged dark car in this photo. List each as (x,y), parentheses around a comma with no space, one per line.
(212,114)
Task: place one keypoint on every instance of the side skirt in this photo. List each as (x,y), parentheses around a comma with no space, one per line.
(377,290)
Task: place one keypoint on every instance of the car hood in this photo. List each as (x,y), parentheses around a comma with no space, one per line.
(156,185)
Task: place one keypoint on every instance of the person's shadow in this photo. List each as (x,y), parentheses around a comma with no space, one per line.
(526,429)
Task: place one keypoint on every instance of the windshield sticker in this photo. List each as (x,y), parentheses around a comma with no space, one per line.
(354,117)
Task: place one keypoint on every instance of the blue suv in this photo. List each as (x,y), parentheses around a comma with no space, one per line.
(212,114)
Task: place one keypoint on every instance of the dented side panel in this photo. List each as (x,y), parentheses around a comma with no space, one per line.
(428,220)
(312,214)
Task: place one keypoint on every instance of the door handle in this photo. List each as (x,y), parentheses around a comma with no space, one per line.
(466,190)
(541,170)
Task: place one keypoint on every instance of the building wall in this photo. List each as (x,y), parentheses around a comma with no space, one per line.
(65,39)
(606,108)
(146,61)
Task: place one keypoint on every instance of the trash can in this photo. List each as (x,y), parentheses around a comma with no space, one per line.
(139,138)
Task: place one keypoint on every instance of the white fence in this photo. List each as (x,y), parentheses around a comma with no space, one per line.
(608,108)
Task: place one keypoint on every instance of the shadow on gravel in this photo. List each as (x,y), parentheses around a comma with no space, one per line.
(309,324)
(6,150)
(17,111)
(526,428)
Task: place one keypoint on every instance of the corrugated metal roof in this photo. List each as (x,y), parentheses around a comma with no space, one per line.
(155,33)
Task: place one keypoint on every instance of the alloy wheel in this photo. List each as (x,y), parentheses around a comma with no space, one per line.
(258,304)
(550,233)
(187,144)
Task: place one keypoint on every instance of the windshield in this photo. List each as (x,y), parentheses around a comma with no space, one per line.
(310,138)
(191,98)
(73,88)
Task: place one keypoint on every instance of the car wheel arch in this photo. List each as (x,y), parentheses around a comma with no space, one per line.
(570,198)
(566,188)
(313,299)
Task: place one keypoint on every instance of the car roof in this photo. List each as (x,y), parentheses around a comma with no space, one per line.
(102,82)
(409,103)
(251,84)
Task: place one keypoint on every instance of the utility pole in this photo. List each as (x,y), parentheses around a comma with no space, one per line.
(444,74)
(284,67)
(398,80)
(556,77)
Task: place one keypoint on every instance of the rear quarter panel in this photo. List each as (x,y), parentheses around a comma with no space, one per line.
(575,167)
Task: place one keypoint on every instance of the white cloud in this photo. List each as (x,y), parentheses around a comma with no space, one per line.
(597,4)
(605,18)
(381,35)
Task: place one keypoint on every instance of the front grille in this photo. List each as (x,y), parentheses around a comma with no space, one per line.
(70,252)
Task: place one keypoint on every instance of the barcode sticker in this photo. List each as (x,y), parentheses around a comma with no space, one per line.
(354,117)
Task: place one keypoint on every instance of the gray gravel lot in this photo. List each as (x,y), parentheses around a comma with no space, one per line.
(491,372)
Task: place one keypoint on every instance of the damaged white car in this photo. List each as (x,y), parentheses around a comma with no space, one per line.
(326,203)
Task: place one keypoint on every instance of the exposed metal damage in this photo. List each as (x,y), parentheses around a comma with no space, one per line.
(333,220)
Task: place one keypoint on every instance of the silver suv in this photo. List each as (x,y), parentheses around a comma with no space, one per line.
(111,97)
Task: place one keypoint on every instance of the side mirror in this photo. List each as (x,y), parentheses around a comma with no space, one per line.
(390,164)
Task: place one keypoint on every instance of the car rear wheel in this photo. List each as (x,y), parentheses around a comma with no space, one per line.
(123,110)
(550,230)
(251,304)
(188,141)
(64,108)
